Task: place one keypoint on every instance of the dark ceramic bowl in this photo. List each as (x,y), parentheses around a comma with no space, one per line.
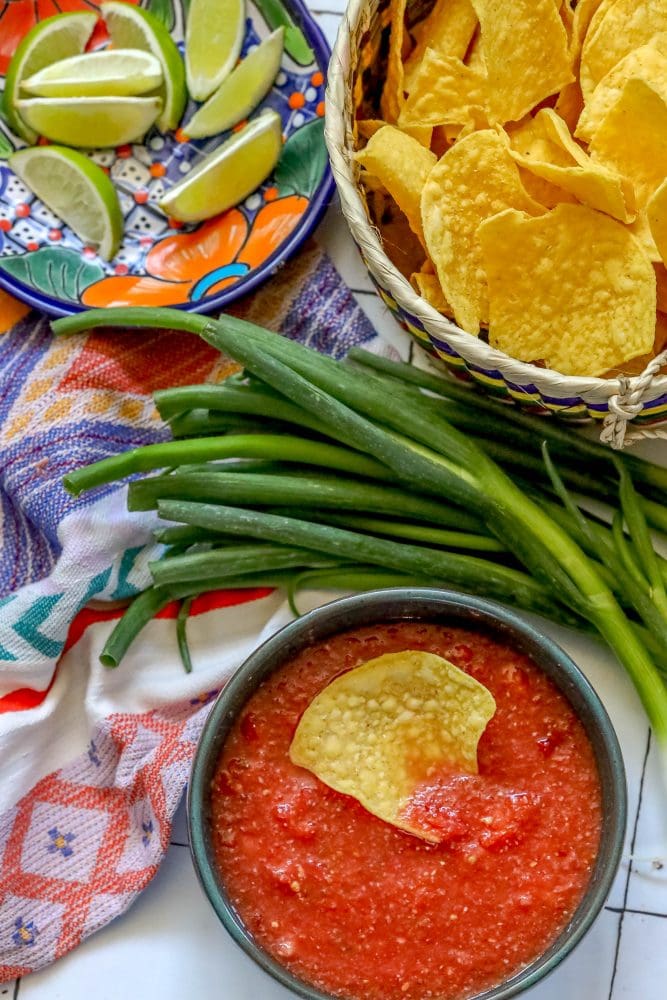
(425,605)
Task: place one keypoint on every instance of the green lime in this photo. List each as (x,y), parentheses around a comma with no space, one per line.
(213,39)
(52,39)
(241,91)
(133,27)
(76,190)
(230,173)
(110,73)
(90,121)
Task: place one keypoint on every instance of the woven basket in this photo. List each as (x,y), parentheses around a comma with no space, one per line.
(618,402)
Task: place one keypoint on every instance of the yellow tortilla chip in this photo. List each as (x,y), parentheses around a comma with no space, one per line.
(591,15)
(475,57)
(422,133)
(583,14)
(447,30)
(442,91)
(632,139)
(372,183)
(660,272)
(573,289)
(533,139)
(391,101)
(563,164)
(648,63)
(567,17)
(476,178)
(543,192)
(428,286)
(369,126)
(402,165)
(656,211)
(637,365)
(625,25)
(641,229)
(570,104)
(526,54)
(380,730)
(529,141)
(556,131)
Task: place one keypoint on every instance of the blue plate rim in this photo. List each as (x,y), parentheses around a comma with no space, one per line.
(311,218)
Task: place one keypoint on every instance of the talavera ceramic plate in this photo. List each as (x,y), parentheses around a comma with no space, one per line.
(160,262)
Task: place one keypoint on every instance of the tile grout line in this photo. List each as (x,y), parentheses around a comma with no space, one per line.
(638,913)
(627,881)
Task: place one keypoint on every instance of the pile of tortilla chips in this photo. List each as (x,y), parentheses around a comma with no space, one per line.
(524,144)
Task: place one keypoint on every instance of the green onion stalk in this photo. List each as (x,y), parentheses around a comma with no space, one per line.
(316,491)
(423,449)
(468,573)
(171,454)
(503,419)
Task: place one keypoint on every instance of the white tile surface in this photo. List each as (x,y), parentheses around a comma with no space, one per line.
(169,946)
(641,969)
(328,22)
(583,974)
(648,884)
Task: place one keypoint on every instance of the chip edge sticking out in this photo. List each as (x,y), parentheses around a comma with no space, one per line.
(401,691)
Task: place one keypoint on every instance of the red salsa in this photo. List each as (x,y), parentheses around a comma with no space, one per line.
(363,910)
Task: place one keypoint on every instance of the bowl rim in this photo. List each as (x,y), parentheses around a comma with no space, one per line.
(400,604)
(303,230)
(338,137)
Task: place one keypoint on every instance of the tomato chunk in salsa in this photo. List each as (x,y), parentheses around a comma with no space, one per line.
(363,910)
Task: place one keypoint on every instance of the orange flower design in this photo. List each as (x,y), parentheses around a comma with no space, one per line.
(17,17)
(192,266)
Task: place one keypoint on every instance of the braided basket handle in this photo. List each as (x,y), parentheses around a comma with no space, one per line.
(627,404)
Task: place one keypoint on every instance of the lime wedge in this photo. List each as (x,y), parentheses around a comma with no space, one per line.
(213,38)
(230,174)
(76,190)
(241,91)
(133,27)
(90,121)
(54,38)
(111,73)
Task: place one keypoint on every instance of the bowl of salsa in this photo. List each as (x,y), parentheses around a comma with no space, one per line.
(512,861)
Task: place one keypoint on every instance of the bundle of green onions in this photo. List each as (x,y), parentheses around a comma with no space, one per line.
(370,473)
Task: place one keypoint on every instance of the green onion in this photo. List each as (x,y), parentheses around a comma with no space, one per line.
(181,633)
(202,423)
(232,400)
(236,559)
(405,530)
(316,491)
(472,574)
(183,534)
(146,605)
(173,453)
(141,611)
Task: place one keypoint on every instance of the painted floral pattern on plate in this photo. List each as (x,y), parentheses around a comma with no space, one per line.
(160,261)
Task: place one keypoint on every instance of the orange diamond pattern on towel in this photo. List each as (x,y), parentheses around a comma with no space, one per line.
(62,840)
(79,849)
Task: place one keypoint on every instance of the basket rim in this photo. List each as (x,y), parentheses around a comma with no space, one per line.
(338,138)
